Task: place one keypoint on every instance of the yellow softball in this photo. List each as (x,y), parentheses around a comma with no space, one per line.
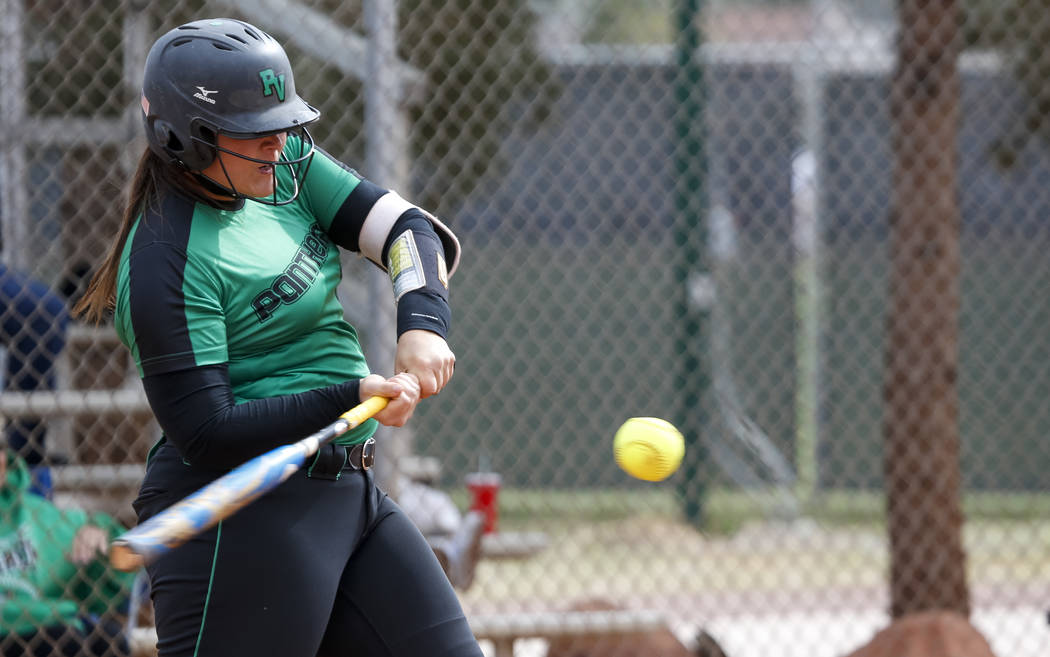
(648,448)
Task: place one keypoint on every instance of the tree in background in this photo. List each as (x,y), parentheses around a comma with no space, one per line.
(921,424)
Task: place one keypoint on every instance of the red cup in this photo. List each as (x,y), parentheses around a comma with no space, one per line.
(484,496)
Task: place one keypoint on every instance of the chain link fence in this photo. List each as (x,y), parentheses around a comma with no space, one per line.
(719,213)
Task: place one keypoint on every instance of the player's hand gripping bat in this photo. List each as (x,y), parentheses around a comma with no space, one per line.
(224,496)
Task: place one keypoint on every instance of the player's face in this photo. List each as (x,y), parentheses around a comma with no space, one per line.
(247,177)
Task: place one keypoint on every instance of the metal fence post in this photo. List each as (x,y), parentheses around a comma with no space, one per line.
(13,197)
(384,157)
(697,291)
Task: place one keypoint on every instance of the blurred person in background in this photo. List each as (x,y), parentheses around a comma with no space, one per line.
(33,323)
(455,537)
(58,595)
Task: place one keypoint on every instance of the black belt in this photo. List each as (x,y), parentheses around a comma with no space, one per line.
(331,460)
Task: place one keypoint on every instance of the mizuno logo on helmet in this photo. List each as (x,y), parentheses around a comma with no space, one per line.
(204,93)
(272,83)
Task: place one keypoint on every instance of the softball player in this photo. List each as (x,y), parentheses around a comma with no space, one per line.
(223,283)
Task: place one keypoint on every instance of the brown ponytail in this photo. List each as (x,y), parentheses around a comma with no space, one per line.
(100,296)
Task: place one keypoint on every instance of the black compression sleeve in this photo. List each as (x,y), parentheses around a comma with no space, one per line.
(427,307)
(195,408)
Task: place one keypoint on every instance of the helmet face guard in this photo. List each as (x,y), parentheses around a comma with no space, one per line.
(224,76)
(286,188)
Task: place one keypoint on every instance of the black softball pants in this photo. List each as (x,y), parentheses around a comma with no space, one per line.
(315,568)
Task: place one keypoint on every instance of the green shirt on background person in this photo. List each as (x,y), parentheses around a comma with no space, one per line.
(40,585)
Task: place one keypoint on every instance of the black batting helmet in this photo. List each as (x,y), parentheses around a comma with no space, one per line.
(219,76)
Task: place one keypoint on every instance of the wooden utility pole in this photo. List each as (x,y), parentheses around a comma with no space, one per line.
(921,428)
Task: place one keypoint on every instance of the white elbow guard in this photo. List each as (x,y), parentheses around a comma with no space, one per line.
(449,242)
(381,219)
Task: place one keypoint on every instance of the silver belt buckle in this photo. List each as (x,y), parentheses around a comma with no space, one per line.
(368,454)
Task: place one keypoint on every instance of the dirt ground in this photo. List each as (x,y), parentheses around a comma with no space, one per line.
(779,587)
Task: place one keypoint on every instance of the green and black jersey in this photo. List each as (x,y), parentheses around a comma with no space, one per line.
(252,287)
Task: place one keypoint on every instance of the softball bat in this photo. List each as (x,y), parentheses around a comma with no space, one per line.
(226,495)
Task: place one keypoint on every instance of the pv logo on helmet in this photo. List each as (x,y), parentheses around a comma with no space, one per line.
(272,83)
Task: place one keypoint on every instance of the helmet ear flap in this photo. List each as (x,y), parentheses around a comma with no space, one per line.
(192,155)
(165,136)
